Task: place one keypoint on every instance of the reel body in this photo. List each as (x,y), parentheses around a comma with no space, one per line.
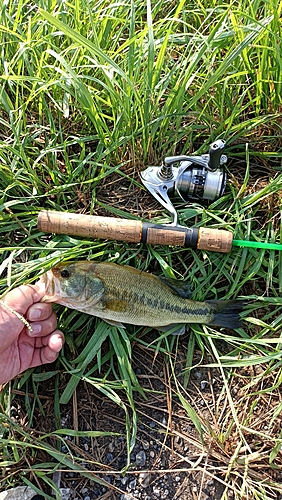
(196,179)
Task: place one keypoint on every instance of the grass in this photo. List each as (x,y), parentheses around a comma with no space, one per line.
(90,94)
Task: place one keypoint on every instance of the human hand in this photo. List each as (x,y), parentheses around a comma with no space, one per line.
(21,348)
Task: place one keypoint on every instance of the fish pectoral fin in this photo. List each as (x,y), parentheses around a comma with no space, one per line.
(181,288)
(176,329)
(114,323)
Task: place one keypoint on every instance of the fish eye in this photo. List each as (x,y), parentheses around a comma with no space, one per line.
(65,273)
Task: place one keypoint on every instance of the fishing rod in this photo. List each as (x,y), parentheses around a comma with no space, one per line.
(136,231)
(190,178)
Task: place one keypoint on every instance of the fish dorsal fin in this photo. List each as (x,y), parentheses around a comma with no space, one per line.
(181,288)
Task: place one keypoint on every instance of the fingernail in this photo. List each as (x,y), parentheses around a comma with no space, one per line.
(36,328)
(34,313)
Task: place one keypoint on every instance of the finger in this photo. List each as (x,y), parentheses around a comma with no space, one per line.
(39,312)
(43,328)
(22,297)
(50,352)
(13,305)
(56,341)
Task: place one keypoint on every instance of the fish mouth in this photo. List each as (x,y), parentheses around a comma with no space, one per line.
(50,285)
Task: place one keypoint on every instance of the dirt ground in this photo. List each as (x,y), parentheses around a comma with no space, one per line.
(168,460)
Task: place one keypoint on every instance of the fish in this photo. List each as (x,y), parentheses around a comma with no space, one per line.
(121,294)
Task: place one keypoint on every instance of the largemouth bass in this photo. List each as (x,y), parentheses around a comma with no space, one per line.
(122,294)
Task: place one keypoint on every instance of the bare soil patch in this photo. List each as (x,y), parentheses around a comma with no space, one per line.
(169,460)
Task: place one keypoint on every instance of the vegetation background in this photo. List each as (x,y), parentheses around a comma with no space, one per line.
(91,92)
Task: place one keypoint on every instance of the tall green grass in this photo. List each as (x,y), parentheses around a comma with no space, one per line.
(92,92)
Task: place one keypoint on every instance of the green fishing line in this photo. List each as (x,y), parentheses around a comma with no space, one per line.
(256,244)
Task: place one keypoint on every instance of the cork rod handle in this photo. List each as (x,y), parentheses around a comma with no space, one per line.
(91,226)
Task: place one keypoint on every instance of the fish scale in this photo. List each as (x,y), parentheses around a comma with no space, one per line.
(148,304)
(122,294)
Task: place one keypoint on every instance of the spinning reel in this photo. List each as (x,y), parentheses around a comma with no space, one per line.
(197,178)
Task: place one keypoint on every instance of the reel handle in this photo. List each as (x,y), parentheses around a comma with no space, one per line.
(215,153)
(135,231)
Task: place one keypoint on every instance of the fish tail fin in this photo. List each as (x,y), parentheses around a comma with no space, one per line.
(226,313)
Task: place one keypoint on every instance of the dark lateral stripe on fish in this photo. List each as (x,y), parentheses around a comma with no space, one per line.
(121,304)
(163,304)
(187,310)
